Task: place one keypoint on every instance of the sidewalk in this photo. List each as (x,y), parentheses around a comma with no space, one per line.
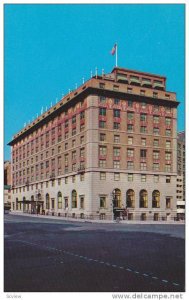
(68,219)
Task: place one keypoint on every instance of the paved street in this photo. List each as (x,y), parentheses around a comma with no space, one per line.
(46,255)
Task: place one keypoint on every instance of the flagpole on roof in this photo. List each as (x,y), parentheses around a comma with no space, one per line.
(116,55)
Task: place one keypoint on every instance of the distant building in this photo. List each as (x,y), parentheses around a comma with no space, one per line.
(7,172)
(7,184)
(107,148)
(180,190)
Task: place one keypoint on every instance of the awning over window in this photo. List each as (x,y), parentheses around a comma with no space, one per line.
(157,84)
(135,80)
(146,82)
(122,77)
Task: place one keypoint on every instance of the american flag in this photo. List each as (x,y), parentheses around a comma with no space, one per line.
(113,49)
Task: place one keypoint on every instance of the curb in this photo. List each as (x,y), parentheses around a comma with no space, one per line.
(99,221)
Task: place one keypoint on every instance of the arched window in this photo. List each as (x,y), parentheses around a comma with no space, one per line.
(117,198)
(47,201)
(143,199)
(39,197)
(59,196)
(156,199)
(130,199)
(32,198)
(74,199)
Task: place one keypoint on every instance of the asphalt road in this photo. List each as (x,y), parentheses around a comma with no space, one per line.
(46,255)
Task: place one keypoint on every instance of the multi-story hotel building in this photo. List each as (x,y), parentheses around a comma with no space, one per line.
(109,146)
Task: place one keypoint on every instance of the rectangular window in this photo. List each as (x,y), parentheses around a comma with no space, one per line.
(155,95)
(73,119)
(82,127)
(130,115)
(82,139)
(116,113)
(155,166)
(66,202)
(102,150)
(130,177)
(102,137)
(116,176)
(117,101)
(156,143)
(116,151)
(168,179)
(130,128)
(156,119)
(73,131)
(143,117)
(143,129)
(130,165)
(143,166)
(102,111)
(73,143)
(116,125)
(82,115)
(168,109)
(168,202)
(101,85)
(73,167)
(168,144)
(143,105)
(116,88)
(167,168)
(102,202)
(130,140)
(167,121)
(143,153)
(156,131)
(155,154)
(143,177)
(102,99)
(116,139)
(168,132)
(116,164)
(102,124)
(59,160)
(82,202)
(82,152)
(102,175)
(102,163)
(167,155)
(129,90)
(130,152)
(59,149)
(143,141)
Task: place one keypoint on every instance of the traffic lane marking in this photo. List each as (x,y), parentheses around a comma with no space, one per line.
(100,262)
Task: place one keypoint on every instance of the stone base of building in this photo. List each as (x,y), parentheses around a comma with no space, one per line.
(108,216)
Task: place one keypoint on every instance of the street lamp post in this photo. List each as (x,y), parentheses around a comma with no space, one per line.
(113,204)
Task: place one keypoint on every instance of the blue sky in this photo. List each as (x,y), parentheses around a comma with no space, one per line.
(49,48)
